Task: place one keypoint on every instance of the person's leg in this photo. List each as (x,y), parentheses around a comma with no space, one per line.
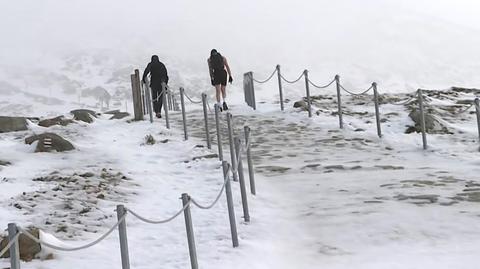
(154,100)
(217,92)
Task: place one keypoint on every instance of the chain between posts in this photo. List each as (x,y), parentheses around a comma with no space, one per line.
(293,81)
(356,94)
(266,80)
(321,87)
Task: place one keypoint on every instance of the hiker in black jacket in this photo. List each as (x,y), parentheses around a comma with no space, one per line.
(218,76)
(158,74)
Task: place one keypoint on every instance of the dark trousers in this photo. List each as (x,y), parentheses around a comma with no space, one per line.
(157,97)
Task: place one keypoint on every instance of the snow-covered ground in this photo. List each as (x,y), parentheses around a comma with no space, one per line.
(327,198)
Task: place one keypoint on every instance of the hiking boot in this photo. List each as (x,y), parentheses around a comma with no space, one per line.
(225,107)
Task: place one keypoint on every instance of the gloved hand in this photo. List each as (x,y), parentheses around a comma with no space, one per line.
(230,79)
(213,84)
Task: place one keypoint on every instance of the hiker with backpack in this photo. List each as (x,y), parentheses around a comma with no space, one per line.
(158,74)
(218,76)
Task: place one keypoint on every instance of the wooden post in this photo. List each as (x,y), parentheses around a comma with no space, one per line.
(137,96)
(339,101)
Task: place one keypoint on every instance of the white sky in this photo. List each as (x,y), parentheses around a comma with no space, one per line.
(302,33)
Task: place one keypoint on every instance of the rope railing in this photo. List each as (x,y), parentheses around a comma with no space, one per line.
(356,94)
(321,87)
(266,80)
(150,221)
(404,102)
(191,100)
(292,81)
(211,205)
(91,244)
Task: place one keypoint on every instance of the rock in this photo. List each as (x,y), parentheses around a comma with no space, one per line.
(12,124)
(4,163)
(48,142)
(432,125)
(28,247)
(84,115)
(87,174)
(301,104)
(208,156)
(60,120)
(119,115)
(149,140)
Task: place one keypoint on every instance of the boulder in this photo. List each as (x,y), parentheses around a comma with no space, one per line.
(301,104)
(432,125)
(84,115)
(28,247)
(12,124)
(49,142)
(60,120)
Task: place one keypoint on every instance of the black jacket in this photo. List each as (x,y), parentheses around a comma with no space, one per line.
(158,72)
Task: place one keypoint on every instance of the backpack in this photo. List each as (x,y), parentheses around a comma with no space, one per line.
(216,61)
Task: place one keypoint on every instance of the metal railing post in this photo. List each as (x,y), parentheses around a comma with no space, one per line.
(307,88)
(339,101)
(189,227)
(165,108)
(219,135)
(122,232)
(280,90)
(231,142)
(148,97)
(377,109)
(422,118)
(14,248)
(477,109)
(241,179)
(184,113)
(249,161)
(205,116)
(231,210)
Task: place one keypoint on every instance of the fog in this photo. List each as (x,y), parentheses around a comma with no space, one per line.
(400,43)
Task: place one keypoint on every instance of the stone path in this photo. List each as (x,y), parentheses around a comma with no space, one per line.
(353,194)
